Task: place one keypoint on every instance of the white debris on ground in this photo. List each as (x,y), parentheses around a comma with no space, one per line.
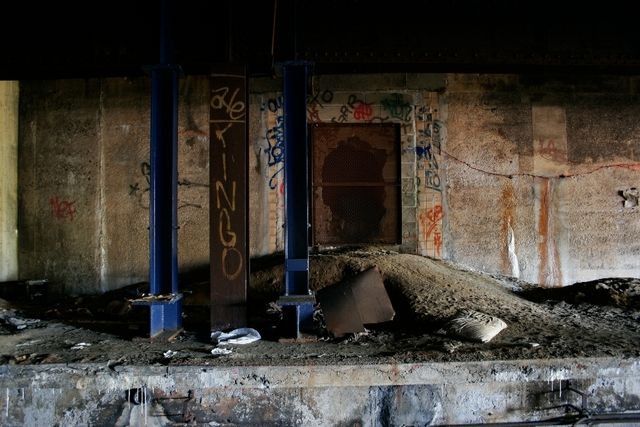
(81,346)
(238,336)
(589,320)
(474,326)
(221,351)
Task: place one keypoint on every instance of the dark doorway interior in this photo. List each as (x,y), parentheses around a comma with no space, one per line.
(355,172)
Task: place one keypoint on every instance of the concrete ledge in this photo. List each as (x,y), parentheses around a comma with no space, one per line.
(387,394)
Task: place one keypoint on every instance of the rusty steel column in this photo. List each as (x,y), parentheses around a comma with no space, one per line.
(297,303)
(229,246)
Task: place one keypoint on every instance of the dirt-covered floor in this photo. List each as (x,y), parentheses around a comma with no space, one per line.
(594,319)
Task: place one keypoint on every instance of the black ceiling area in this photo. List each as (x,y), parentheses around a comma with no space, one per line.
(120,38)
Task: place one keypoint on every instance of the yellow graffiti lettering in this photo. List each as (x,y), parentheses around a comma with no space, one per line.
(238,270)
(235,109)
(227,236)
(220,189)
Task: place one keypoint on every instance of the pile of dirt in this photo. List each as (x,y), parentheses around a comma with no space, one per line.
(425,293)
(622,293)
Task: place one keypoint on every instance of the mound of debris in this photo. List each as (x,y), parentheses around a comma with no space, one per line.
(428,296)
(622,293)
(439,312)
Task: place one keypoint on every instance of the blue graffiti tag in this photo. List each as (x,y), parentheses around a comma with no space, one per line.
(275,149)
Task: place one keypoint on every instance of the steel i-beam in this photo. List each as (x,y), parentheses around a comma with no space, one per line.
(165,299)
(297,303)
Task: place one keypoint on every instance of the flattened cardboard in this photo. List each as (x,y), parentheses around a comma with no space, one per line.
(348,306)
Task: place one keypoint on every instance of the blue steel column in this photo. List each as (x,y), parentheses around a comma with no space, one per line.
(297,302)
(166,315)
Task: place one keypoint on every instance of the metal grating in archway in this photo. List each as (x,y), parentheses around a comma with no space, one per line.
(355,180)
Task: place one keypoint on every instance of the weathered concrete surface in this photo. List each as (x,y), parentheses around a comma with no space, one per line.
(9,96)
(508,174)
(542,162)
(59,183)
(315,395)
(261,224)
(84,181)
(126,169)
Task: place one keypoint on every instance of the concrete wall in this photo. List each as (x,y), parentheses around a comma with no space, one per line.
(315,395)
(499,173)
(9,95)
(534,173)
(84,181)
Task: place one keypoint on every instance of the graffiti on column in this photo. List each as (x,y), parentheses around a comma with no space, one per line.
(428,147)
(224,102)
(228,242)
(428,151)
(274,134)
(425,148)
(275,149)
(430,222)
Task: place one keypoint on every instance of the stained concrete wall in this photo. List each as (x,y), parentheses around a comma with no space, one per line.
(501,173)
(84,181)
(534,172)
(316,395)
(9,95)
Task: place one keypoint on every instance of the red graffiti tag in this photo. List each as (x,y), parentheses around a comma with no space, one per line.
(62,209)
(430,219)
(313,115)
(362,111)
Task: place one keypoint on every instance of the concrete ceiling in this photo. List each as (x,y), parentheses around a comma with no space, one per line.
(118,37)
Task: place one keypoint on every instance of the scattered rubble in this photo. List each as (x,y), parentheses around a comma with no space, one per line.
(424,293)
